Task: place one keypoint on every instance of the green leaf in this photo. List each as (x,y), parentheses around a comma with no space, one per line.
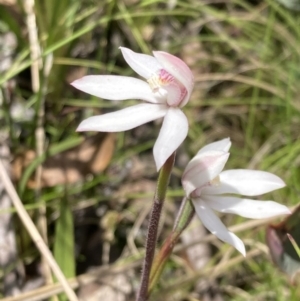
(281,248)
(64,252)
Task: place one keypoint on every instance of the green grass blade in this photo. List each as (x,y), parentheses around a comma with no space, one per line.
(64,242)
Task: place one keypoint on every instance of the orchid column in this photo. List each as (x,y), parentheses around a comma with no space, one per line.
(168,86)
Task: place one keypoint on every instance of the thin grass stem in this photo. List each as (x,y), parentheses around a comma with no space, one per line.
(33,232)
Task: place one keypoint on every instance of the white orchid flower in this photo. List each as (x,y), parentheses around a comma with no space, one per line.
(168,86)
(211,189)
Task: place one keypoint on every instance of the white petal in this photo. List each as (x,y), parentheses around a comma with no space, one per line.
(221,145)
(245,207)
(202,169)
(172,133)
(178,68)
(143,64)
(115,87)
(174,94)
(123,120)
(245,182)
(215,226)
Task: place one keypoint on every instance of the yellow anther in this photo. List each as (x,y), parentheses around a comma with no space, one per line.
(216,181)
(154,82)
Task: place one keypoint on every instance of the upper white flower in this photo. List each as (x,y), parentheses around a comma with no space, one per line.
(210,189)
(168,86)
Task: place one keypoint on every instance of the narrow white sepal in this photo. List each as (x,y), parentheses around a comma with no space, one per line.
(216,227)
(221,145)
(172,133)
(143,64)
(114,87)
(245,207)
(123,120)
(246,182)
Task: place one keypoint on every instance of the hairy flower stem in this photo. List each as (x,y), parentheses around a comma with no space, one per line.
(184,217)
(160,194)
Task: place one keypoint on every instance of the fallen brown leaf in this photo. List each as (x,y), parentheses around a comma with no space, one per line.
(91,157)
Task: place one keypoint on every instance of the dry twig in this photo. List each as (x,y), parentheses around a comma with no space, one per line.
(33,232)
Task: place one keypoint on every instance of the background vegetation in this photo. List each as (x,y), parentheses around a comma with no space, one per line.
(90,194)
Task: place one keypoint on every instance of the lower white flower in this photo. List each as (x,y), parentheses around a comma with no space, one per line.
(211,189)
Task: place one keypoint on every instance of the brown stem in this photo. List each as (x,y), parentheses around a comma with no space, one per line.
(183,219)
(162,184)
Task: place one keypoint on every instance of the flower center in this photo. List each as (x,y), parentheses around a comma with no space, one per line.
(215,181)
(163,78)
(166,86)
